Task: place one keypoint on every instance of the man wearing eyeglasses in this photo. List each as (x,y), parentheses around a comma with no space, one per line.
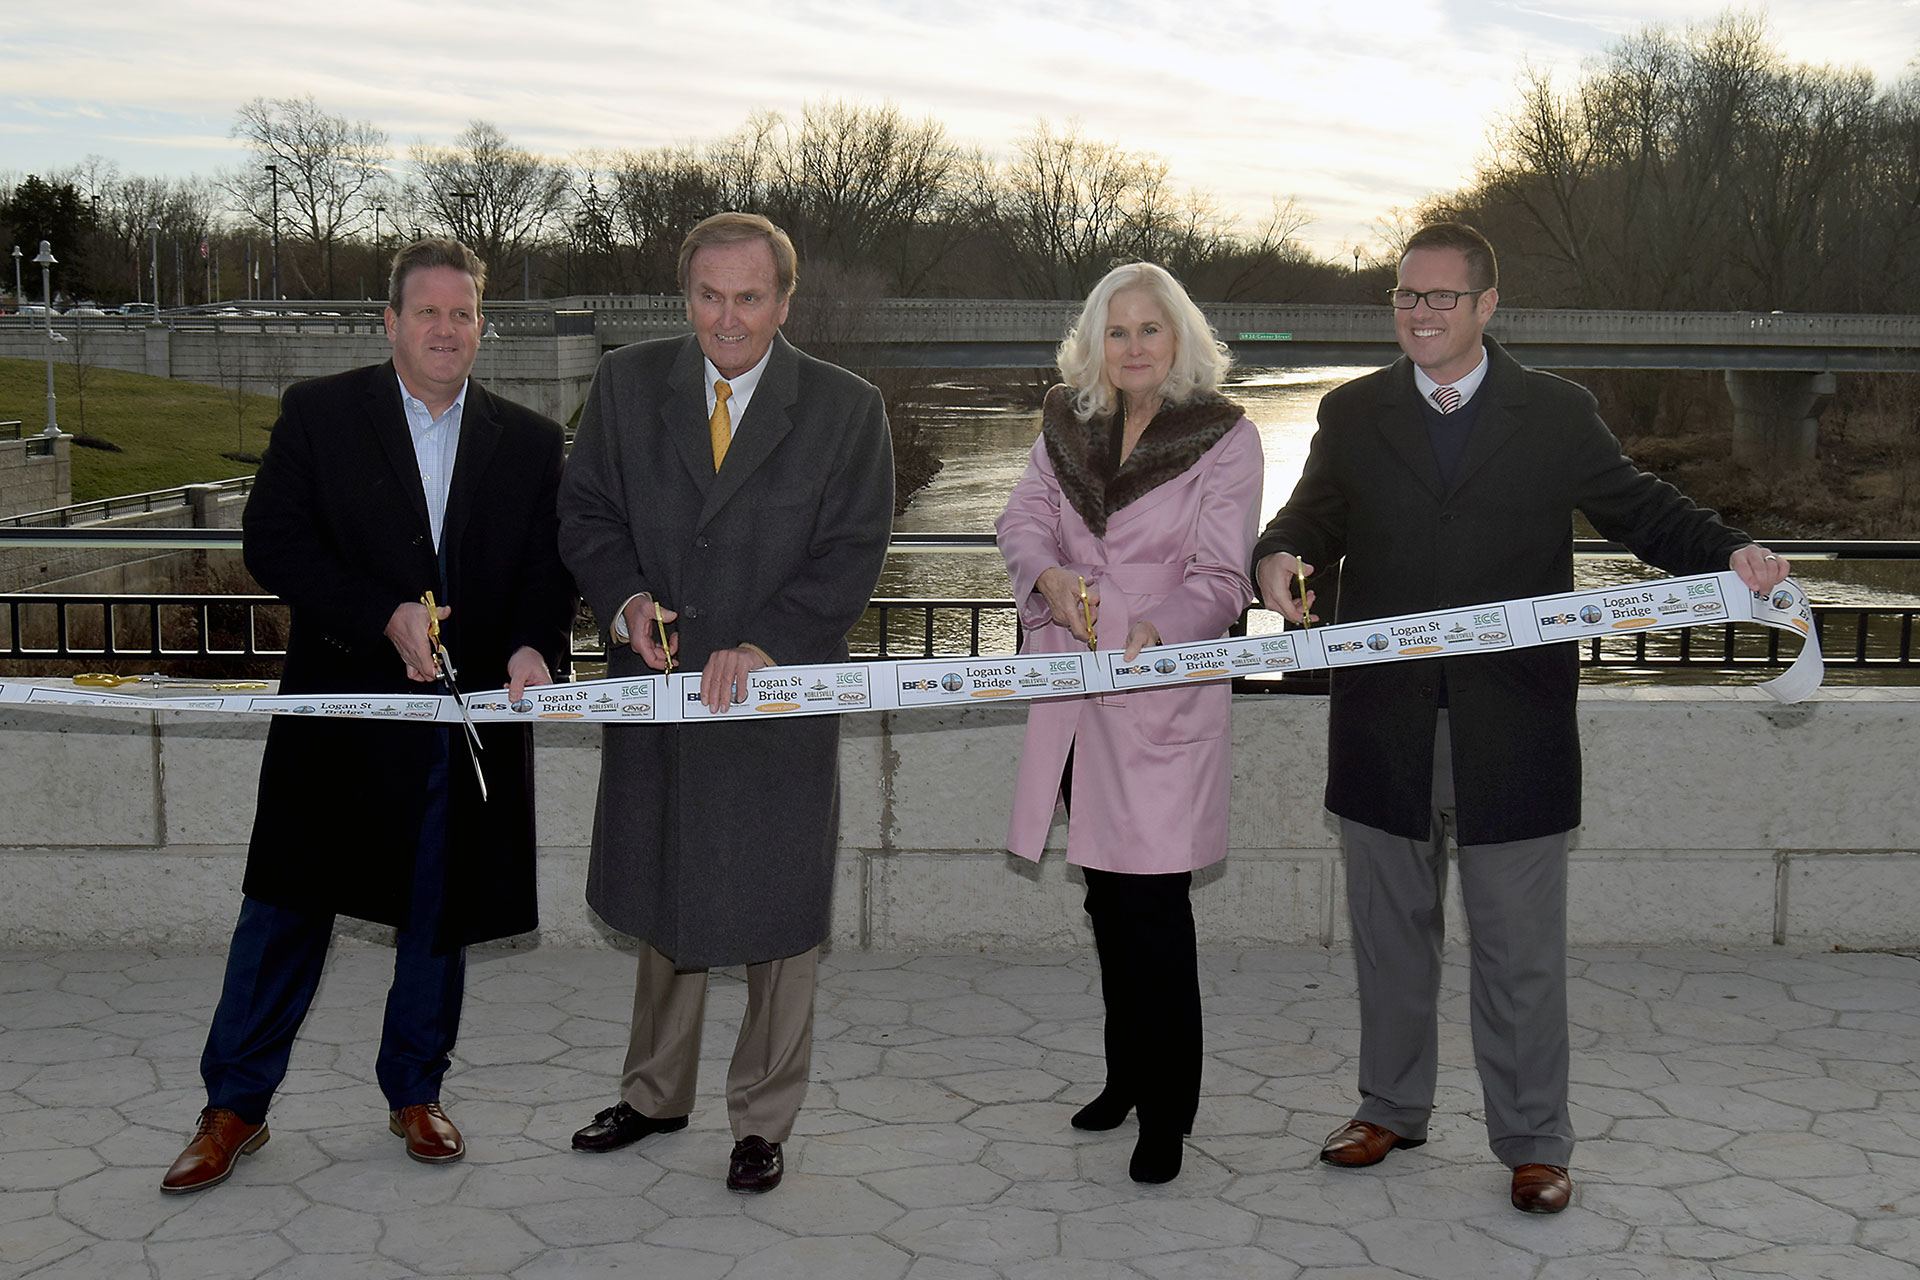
(1451,478)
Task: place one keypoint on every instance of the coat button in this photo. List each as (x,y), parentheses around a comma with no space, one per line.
(1426,691)
(690,611)
(702,543)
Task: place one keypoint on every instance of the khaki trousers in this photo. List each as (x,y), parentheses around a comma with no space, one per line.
(767,1079)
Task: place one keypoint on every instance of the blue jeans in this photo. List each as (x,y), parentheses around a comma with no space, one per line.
(273,969)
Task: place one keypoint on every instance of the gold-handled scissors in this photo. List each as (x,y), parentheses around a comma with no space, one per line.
(1086,612)
(447,677)
(1300,577)
(660,625)
(108,680)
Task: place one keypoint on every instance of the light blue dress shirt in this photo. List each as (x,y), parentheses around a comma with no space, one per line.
(436,443)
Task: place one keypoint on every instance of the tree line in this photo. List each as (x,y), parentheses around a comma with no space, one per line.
(1700,168)
(1694,168)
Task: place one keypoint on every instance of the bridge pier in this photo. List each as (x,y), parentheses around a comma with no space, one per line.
(1776,415)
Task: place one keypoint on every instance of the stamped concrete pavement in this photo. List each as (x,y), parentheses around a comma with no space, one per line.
(1741,1114)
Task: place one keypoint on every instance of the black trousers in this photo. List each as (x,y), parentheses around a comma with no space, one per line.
(1150,980)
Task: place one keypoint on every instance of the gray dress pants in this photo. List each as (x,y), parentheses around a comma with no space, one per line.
(1516,901)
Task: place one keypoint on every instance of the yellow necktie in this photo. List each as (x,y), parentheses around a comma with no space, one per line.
(720,424)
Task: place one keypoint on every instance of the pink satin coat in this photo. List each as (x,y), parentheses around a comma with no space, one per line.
(1151,771)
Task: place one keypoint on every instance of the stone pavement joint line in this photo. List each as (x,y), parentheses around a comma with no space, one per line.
(1741,1114)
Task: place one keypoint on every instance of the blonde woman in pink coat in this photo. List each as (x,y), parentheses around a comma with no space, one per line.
(1145,487)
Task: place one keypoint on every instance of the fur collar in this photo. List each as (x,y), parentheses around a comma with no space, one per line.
(1083,453)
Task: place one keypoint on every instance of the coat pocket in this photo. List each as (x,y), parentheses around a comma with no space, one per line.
(1172,717)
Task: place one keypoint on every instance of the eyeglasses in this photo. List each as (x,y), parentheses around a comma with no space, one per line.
(1436,299)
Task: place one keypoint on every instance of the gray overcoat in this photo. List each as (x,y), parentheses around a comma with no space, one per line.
(715,842)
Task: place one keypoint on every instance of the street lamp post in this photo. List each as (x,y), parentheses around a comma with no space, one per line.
(273,178)
(153,230)
(377,255)
(464,196)
(45,261)
(17,299)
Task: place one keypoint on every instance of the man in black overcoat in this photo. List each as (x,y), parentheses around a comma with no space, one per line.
(382,484)
(737,493)
(1451,478)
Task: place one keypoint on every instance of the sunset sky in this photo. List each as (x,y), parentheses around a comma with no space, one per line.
(1350,108)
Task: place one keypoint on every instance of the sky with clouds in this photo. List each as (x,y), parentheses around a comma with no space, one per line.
(1350,107)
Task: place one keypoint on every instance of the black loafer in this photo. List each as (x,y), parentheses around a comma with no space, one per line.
(619,1126)
(756,1165)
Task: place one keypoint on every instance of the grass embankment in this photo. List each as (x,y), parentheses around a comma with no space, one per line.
(168,433)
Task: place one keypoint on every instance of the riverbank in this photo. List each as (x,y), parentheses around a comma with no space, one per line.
(1864,483)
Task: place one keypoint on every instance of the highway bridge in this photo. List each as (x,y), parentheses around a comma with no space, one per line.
(1779,366)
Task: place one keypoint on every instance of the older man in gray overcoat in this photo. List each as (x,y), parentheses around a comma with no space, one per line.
(733,497)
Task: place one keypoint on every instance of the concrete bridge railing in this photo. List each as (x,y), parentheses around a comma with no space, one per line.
(1713,817)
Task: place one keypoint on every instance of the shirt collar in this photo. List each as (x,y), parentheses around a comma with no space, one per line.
(744,384)
(1465,386)
(410,400)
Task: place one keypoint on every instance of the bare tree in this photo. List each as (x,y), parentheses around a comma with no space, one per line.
(494,196)
(330,170)
(864,185)
(1064,209)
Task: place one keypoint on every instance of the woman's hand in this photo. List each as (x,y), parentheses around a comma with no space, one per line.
(1061,590)
(1141,635)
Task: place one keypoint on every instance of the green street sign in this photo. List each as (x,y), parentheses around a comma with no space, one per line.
(1265,337)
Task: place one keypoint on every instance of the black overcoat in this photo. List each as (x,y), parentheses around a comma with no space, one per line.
(1371,493)
(337,527)
(715,841)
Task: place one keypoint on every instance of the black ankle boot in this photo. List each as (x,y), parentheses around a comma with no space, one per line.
(1105,1112)
(1156,1156)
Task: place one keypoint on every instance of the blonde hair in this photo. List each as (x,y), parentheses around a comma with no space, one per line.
(1200,359)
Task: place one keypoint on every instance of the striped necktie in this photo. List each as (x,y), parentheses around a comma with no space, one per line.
(1447,398)
(720,423)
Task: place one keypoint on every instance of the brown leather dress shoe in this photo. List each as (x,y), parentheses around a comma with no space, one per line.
(1541,1188)
(221,1139)
(1360,1144)
(431,1137)
(756,1165)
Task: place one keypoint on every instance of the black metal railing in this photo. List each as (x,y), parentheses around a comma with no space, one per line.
(48,629)
(48,626)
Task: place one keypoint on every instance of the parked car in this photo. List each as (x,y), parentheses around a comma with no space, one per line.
(85,309)
(138,309)
(35,309)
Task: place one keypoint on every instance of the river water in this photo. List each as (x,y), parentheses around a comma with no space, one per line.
(984,447)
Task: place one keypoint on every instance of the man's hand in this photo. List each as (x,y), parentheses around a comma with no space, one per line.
(1276,575)
(1061,590)
(407,628)
(1141,635)
(643,630)
(525,669)
(1759,568)
(724,679)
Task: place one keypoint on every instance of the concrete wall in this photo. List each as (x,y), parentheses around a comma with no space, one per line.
(545,372)
(92,570)
(1714,817)
(35,474)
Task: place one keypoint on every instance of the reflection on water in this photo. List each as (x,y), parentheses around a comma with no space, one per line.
(985,451)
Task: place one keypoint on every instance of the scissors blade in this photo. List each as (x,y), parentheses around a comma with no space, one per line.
(466,722)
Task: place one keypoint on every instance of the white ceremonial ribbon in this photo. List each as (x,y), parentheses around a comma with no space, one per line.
(1664,604)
